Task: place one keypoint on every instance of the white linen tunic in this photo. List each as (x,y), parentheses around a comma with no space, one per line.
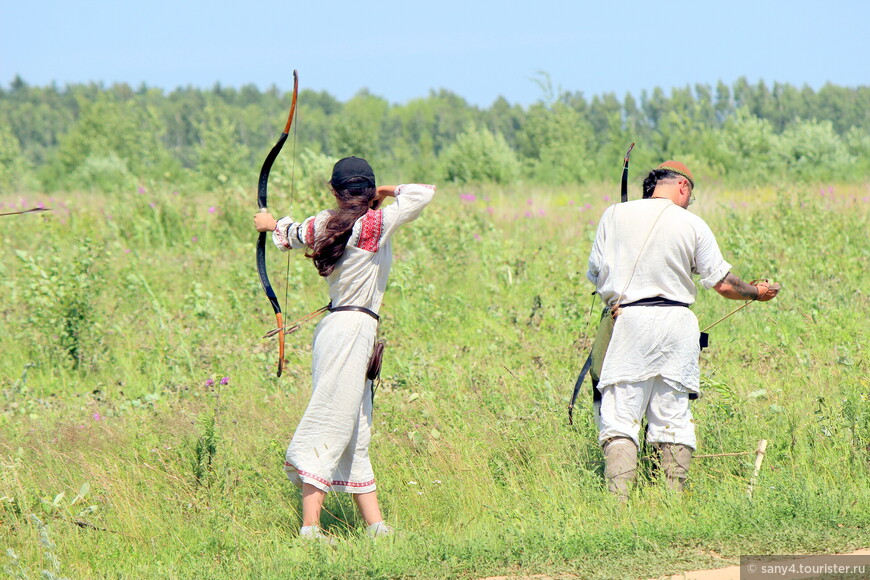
(330,446)
(645,249)
(650,248)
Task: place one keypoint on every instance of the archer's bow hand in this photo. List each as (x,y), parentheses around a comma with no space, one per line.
(265,222)
(766,290)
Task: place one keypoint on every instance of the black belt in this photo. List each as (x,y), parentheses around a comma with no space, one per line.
(655,301)
(353,309)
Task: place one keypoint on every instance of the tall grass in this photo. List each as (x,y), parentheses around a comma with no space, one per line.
(175,472)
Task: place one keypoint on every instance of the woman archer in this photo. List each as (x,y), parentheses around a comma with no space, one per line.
(350,247)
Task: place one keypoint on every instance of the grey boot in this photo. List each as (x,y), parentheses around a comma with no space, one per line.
(675,464)
(620,466)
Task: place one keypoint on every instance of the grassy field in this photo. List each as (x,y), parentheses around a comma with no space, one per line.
(143,429)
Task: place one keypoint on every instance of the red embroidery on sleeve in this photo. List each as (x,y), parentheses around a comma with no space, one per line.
(284,238)
(309,233)
(370,234)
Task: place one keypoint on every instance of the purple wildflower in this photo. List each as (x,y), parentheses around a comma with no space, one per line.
(97,417)
(209,382)
(468,197)
(607,198)
(141,190)
(225,381)
(194,239)
(212,209)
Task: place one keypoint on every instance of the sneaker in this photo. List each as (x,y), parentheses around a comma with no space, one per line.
(315,534)
(378,529)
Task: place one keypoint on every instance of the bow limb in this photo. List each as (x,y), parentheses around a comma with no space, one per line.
(262,202)
(624,191)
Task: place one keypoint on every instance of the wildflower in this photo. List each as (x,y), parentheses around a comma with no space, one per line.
(528,202)
(468,197)
(209,382)
(212,209)
(194,239)
(476,236)
(490,210)
(225,381)
(141,190)
(607,198)
(97,417)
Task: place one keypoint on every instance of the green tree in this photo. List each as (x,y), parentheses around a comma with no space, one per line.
(812,151)
(746,147)
(223,162)
(479,156)
(112,145)
(357,129)
(13,164)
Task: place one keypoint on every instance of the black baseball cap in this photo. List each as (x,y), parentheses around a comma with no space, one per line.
(352,173)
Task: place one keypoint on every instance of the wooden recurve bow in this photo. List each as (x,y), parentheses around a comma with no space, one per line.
(262,203)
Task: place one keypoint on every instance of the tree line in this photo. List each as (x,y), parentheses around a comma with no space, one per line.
(113,139)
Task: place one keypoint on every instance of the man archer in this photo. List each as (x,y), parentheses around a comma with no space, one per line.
(642,262)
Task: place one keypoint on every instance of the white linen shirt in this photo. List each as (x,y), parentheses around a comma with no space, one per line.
(650,248)
(360,275)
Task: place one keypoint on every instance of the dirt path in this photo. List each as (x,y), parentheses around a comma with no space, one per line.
(729,573)
(733,572)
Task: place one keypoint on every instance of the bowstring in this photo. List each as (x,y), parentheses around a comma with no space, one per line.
(292,195)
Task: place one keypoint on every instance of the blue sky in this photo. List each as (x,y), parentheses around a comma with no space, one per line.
(480,50)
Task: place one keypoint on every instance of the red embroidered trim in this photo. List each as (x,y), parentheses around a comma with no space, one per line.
(352,484)
(326,482)
(308,475)
(370,234)
(309,233)
(285,237)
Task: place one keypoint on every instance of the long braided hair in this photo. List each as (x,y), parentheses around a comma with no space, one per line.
(330,243)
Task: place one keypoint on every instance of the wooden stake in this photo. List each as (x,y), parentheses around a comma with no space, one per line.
(759,459)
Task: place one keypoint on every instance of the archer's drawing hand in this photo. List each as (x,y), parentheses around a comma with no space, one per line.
(766,290)
(264,222)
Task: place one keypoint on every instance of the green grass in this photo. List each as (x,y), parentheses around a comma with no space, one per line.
(117,312)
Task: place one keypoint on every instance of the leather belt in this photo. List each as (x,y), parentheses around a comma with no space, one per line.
(353,309)
(655,301)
